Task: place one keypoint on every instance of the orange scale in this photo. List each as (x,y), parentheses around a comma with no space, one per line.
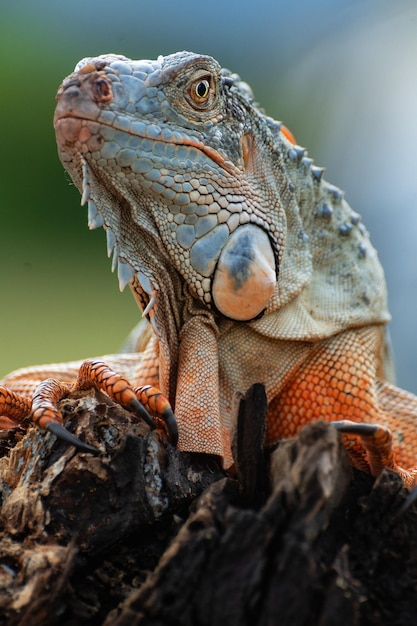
(306,395)
(349,401)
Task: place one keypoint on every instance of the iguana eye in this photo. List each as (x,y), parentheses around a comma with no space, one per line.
(200,91)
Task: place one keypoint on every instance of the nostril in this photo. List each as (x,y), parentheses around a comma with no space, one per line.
(102,90)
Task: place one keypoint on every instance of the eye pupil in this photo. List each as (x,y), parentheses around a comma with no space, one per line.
(201,92)
(202,88)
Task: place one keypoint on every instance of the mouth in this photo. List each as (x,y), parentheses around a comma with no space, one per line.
(71,127)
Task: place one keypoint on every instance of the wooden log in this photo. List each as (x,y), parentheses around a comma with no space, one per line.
(64,513)
(144,534)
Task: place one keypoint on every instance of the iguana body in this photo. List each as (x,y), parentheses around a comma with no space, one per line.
(249,266)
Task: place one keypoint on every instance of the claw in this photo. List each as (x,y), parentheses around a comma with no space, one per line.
(137,407)
(171,424)
(356,428)
(62,433)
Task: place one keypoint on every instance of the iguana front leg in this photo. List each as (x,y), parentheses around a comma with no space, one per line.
(42,408)
(14,408)
(339,383)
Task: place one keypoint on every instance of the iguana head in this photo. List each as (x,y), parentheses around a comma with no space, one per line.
(179,165)
(208,206)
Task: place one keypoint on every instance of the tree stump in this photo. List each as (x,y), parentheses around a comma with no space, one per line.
(144,534)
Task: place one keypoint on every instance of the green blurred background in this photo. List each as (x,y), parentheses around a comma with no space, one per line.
(341,74)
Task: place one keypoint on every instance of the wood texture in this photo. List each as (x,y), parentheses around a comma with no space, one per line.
(143,534)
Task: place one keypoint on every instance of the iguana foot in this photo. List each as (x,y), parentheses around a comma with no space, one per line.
(42,410)
(140,400)
(378,442)
(97,374)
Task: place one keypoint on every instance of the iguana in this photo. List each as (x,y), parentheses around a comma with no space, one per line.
(248,265)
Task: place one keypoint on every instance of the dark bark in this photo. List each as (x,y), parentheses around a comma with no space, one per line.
(144,534)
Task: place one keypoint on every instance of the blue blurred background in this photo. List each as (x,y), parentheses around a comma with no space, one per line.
(341,74)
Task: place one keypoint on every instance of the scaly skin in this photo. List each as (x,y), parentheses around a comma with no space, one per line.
(249,266)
